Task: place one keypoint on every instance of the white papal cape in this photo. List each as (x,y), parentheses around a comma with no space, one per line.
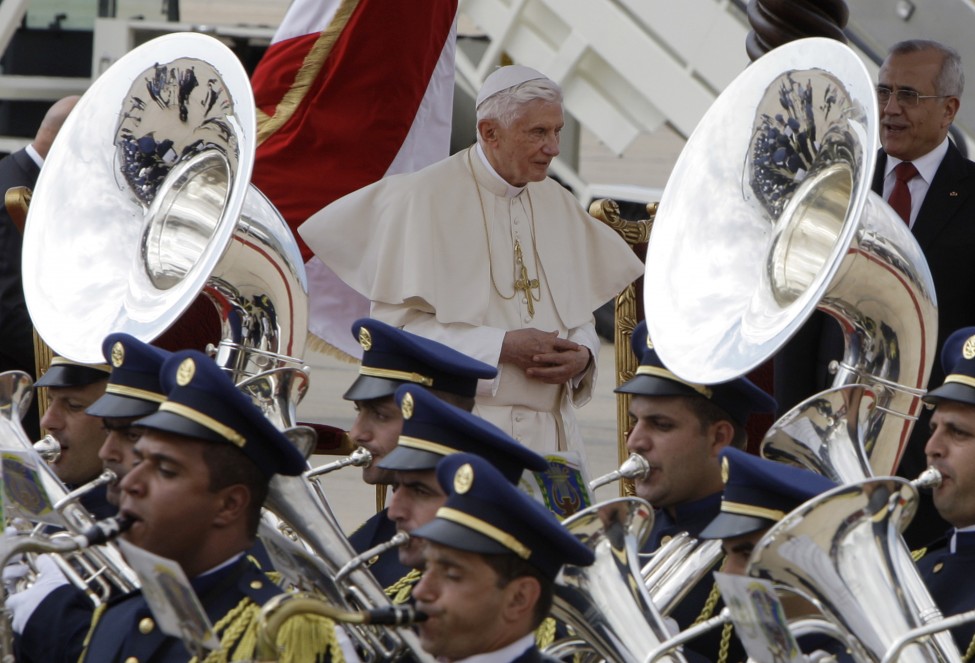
(434,253)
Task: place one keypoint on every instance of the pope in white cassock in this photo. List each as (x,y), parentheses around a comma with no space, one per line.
(484,253)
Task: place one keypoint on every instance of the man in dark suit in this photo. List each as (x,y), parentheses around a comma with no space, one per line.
(491,558)
(919,90)
(16,332)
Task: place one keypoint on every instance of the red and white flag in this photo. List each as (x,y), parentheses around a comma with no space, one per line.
(348,92)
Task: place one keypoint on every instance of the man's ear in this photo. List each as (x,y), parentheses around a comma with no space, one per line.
(488,130)
(233,504)
(722,435)
(952,104)
(521,597)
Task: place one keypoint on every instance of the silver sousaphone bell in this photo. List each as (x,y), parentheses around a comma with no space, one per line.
(145,201)
(768,215)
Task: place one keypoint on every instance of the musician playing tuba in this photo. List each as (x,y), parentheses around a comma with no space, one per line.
(680,428)
(491,558)
(392,357)
(757,494)
(433,429)
(946,566)
(202,470)
(51,604)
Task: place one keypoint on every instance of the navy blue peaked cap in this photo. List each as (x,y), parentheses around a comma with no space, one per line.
(202,402)
(133,388)
(392,357)
(759,493)
(66,373)
(485,514)
(958,362)
(739,397)
(433,429)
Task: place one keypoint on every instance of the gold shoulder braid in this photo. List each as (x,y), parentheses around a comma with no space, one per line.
(706,613)
(304,637)
(522,282)
(545,633)
(919,553)
(401,590)
(96,616)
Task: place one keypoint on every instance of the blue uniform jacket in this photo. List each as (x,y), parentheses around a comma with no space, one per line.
(693,517)
(948,577)
(127,630)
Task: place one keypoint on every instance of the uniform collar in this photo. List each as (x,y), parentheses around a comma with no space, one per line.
(962,540)
(505,654)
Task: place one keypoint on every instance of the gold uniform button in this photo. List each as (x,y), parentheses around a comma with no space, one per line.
(131,659)
(146,625)
(256,584)
(665,540)
(372,560)
(937,567)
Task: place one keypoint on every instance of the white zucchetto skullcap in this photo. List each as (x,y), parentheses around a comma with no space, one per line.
(503,78)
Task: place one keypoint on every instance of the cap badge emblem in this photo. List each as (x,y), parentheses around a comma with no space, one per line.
(407,405)
(185,372)
(118,354)
(968,350)
(463,478)
(365,339)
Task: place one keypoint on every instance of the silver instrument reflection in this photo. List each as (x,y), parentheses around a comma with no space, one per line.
(358,458)
(606,603)
(843,552)
(634,467)
(100,571)
(788,224)
(172,194)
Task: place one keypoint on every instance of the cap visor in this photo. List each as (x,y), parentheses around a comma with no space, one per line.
(729,525)
(649,385)
(460,537)
(113,406)
(951,391)
(366,388)
(70,375)
(406,459)
(174,423)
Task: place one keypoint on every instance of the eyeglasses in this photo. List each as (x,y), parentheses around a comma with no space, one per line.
(905,97)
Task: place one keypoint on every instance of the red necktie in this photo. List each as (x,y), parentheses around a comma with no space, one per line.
(900,195)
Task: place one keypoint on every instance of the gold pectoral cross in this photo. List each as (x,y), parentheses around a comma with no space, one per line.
(525,284)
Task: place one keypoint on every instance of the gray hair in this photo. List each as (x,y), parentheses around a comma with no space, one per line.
(951,78)
(506,105)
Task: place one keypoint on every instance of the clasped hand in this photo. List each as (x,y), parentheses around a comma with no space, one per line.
(543,355)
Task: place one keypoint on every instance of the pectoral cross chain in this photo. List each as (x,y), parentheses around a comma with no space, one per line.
(525,284)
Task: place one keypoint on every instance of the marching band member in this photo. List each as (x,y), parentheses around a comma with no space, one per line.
(680,429)
(758,493)
(433,429)
(71,388)
(202,470)
(391,358)
(946,567)
(491,558)
(133,391)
